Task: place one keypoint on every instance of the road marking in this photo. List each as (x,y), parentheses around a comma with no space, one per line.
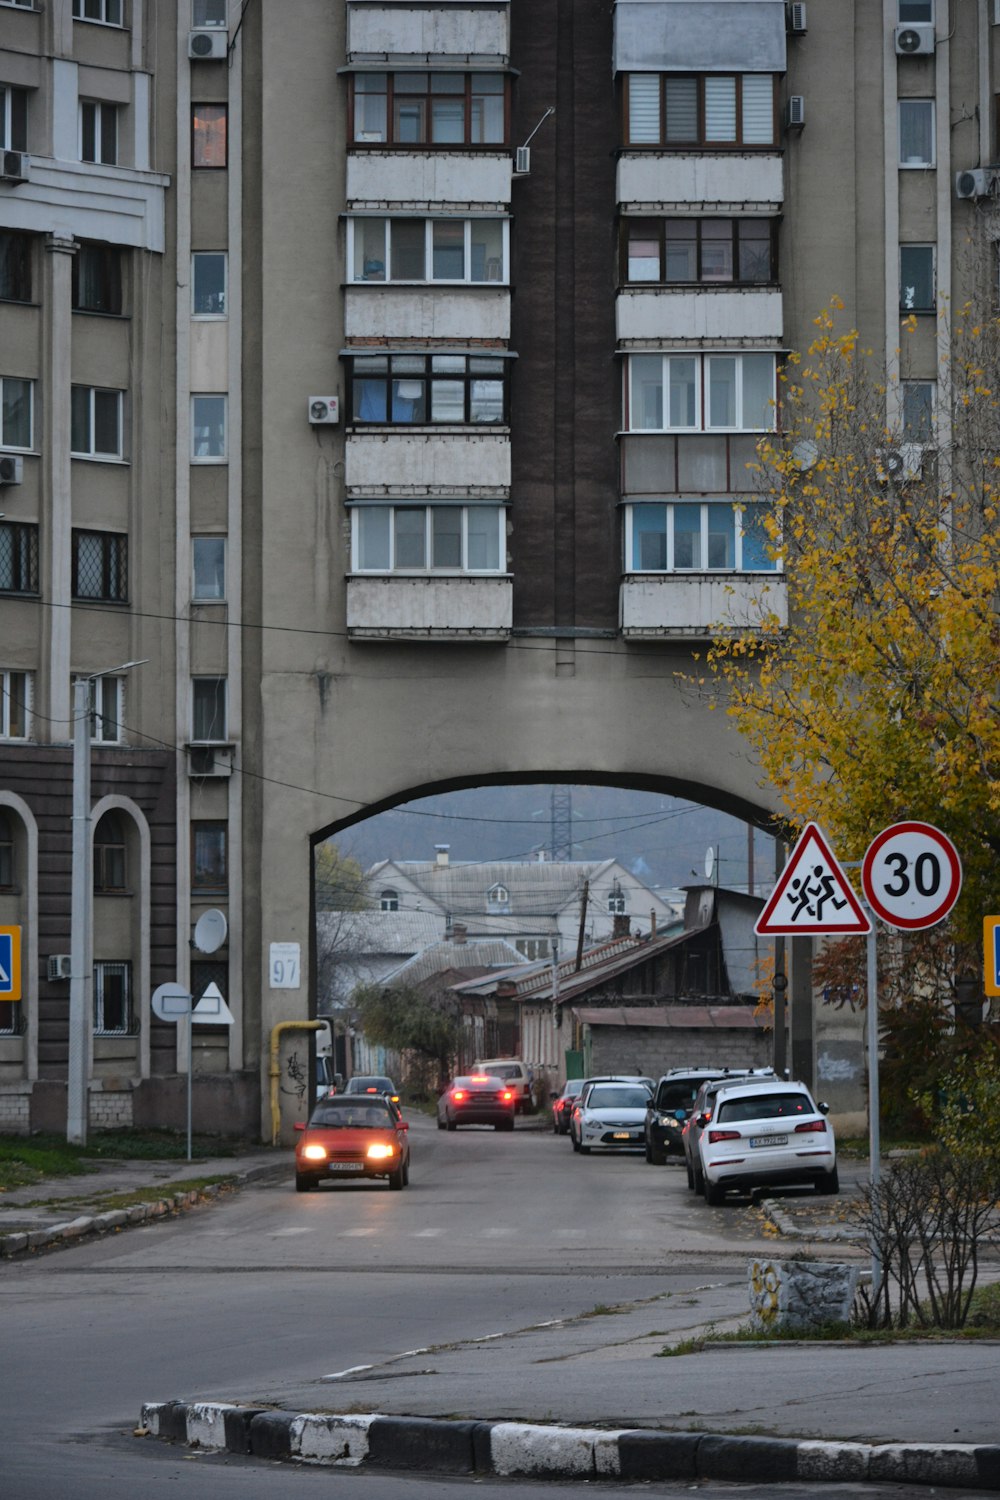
(427,1234)
(347,1234)
(305,1229)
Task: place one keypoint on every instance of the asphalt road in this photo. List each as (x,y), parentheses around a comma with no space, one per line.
(504,1274)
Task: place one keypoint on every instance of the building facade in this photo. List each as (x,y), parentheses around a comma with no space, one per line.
(383,379)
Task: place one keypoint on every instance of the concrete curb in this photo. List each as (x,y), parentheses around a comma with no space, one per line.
(518,1448)
(24,1242)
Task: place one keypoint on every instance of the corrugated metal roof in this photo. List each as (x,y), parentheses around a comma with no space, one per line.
(493,953)
(401,932)
(534,888)
(606,961)
(666,1017)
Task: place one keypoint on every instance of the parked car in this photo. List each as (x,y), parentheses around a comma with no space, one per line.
(350,1138)
(562,1105)
(767,1136)
(516,1074)
(702,1108)
(670,1107)
(372,1083)
(612,1116)
(588,1084)
(477,1099)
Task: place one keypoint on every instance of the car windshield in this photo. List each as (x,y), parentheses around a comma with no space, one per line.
(765,1107)
(331,1115)
(572,1090)
(617,1098)
(366,1085)
(677,1095)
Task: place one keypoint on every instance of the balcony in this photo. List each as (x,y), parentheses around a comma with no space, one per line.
(718,182)
(411,36)
(699,606)
(400,462)
(462,314)
(726,316)
(429,608)
(380,178)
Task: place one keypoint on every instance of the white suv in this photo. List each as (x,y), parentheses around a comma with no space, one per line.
(759,1136)
(513,1072)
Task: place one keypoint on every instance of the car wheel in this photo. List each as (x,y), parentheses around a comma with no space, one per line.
(687,1166)
(576,1143)
(440,1123)
(509,1124)
(829,1182)
(714,1194)
(649,1153)
(396,1179)
(699,1181)
(406,1174)
(452,1124)
(656,1157)
(304,1183)
(555,1125)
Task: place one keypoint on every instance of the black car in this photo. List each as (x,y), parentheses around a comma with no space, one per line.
(670,1106)
(562,1105)
(478,1099)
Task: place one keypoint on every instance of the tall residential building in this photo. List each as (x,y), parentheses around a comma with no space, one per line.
(383,378)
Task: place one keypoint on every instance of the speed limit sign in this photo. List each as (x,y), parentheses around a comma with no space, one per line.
(911,875)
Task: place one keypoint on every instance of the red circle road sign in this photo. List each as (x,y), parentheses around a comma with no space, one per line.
(911,875)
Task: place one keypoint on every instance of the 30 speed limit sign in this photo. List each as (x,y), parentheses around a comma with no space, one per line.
(911,875)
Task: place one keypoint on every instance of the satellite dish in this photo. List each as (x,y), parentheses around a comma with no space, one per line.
(211,930)
(805,453)
(709,862)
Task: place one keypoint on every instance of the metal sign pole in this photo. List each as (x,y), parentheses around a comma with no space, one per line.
(874,1142)
(190,1026)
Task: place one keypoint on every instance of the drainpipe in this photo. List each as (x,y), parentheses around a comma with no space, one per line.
(274,1070)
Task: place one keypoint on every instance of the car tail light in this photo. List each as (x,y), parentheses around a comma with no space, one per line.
(458,1095)
(480,1077)
(506,1095)
(722,1135)
(809,1125)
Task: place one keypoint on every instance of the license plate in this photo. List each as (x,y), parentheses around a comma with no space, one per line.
(769,1140)
(621,1135)
(345,1166)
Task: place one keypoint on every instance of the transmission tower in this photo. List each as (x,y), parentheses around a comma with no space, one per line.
(561,830)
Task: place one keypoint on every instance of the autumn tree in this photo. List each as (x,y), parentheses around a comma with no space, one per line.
(423,1021)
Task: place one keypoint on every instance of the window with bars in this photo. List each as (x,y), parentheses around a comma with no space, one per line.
(708,251)
(209,856)
(428,538)
(109,854)
(15,705)
(108,12)
(428,250)
(113,1014)
(698,536)
(15,266)
(17,400)
(97,278)
(13,118)
(96,422)
(100,566)
(99,132)
(679,392)
(18,558)
(716,111)
(404,389)
(429,109)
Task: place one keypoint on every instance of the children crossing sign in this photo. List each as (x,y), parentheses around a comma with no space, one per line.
(813,897)
(10,963)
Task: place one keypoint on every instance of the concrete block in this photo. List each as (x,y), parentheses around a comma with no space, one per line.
(136,1213)
(331,1439)
(422,1443)
(206,1424)
(800,1293)
(13,1244)
(170,1420)
(271,1435)
(658,1455)
(988,1467)
(924,1463)
(833,1461)
(518,1448)
(75,1227)
(764,1460)
(113,1220)
(236,1422)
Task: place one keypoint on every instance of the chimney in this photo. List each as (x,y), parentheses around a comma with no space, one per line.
(459,933)
(621,925)
(441,850)
(652,921)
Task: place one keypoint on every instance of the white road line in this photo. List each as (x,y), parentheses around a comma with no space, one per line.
(304,1229)
(427,1234)
(347,1234)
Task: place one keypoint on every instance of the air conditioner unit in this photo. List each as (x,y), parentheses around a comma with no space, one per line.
(210,760)
(901,464)
(14,166)
(977,182)
(324,411)
(208,46)
(795,112)
(795,18)
(60,967)
(11,469)
(916,40)
(522,161)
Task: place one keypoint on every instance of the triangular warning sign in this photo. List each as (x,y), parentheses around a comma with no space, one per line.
(813,897)
(211,1009)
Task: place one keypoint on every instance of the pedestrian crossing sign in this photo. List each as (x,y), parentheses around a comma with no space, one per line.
(813,897)
(10,963)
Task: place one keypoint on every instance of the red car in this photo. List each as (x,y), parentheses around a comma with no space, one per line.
(351,1137)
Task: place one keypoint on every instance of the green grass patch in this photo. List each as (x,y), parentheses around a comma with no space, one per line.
(27,1160)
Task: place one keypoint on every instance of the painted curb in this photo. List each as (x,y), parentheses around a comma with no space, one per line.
(521,1448)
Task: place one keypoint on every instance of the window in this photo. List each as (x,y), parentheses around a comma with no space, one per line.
(209,848)
(208,555)
(916,278)
(697,536)
(916,132)
(96,428)
(100,566)
(97,278)
(21,4)
(499,896)
(918,411)
(109,12)
(7,850)
(701,392)
(13,118)
(112,999)
(208,135)
(15,266)
(915,10)
(429,109)
(389,900)
(208,284)
(16,412)
(106,698)
(208,429)
(428,538)
(699,250)
(15,704)
(617,902)
(98,132)
(425,388)
(209,13)
(109,854)
(208,710)
(700,110)
(205,972)
(460,250)
(18,558)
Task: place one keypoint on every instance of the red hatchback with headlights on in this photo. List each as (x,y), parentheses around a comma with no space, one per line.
(351,1137)
(478,1099)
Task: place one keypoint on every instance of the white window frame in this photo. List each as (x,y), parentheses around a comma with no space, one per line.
(428,506)
(702,412)
(107,708)
(498,895)
(216,739)
(388,899)
(196,597)
(670,502)
(99,106)
(12,682)
(210,458)
(429,280)
(103,6)
(19,447)
(8,91)
(19,4)
(102,969)
(211,317)
(911,164)
(100,455)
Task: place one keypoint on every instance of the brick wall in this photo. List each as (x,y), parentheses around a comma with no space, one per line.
(652,1052)
(15,1113)
(111,1110)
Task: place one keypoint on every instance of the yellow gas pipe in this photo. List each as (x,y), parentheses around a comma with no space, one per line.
(274,1070)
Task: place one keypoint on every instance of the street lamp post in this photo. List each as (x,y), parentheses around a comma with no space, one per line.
(81,940)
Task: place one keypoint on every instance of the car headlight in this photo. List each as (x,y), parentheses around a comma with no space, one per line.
(379,1151)
(314,1153)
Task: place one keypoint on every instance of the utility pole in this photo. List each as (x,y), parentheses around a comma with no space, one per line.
(584,898)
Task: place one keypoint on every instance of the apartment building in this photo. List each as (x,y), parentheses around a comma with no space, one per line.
(383,378)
